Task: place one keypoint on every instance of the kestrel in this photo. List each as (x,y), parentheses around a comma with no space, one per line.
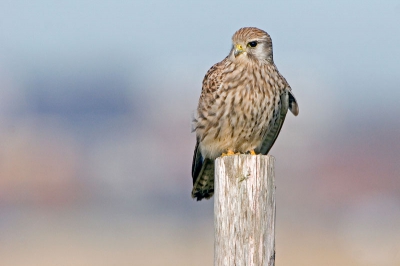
(242,106)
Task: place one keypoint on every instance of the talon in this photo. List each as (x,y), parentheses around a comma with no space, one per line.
(229,152)
(252,152)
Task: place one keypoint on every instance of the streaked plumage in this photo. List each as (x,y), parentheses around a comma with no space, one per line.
(242,106)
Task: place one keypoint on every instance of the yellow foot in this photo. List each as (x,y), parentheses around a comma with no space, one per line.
(252,152)
(229,152)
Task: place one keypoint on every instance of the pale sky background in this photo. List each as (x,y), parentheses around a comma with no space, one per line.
(96,99)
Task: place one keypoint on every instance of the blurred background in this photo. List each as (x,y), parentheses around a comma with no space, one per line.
(96,100)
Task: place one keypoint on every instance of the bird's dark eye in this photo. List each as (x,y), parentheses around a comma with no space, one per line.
(252,44)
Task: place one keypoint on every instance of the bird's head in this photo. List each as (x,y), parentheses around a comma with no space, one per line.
(251,44)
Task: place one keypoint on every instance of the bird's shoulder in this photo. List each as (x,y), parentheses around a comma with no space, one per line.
(214,77)
(286,89)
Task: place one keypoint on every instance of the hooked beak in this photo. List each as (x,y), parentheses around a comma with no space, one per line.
(238,50)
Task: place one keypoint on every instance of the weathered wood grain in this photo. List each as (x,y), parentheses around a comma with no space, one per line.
(244,211)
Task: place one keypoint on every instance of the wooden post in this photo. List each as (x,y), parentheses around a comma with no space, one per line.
(244,211)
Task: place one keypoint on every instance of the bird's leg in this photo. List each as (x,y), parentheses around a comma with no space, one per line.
(229,152)
(252,152)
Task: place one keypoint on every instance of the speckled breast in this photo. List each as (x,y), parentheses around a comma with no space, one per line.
(242,111)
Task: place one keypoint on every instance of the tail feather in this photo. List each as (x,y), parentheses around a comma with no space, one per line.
(203,175)
(203,186)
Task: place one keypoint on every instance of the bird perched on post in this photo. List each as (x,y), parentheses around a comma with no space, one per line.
(242,106)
